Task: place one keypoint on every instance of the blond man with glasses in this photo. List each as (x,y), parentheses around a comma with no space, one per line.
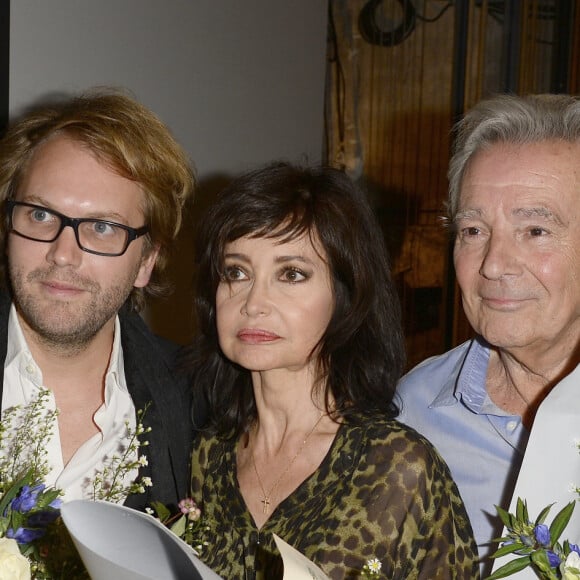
(93,190)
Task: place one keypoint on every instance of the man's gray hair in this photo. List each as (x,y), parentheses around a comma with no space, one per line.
(513,120)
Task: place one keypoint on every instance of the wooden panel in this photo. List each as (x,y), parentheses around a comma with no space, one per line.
(575,56)
(389,116)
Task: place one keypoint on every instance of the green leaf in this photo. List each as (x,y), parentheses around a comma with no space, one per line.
(522,510)
(17,520)
(48,497)
(509,549)
(161,510)
(504,516)
(510,568)
(561,521)
(178,528)
(544,514)
(26,550)
(540,559)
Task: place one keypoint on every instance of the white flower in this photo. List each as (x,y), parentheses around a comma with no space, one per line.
(571,567)
(146,481)
(194,514)
(13,565)
(373,566)
(142,461)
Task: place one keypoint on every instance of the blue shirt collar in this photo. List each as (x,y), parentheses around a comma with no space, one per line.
(466,382)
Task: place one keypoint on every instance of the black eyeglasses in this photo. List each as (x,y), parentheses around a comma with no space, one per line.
(41,224)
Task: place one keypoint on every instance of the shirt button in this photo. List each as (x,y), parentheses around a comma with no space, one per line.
(30,369)
(512,425)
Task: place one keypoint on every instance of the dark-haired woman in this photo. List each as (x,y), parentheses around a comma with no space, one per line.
(299,351)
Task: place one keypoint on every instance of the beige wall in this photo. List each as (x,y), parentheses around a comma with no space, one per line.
(239,83)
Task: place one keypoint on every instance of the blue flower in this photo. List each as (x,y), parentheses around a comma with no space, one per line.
(24,535)
(554,559)
(575,548)
(542,534)
(27,498)
(56,504)
(43,518)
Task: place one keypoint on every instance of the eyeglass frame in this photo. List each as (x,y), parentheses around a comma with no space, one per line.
(65,221)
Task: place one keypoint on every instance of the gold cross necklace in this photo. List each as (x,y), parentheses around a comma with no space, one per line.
(268,495)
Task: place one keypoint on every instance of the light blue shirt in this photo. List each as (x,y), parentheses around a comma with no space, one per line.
(445,399)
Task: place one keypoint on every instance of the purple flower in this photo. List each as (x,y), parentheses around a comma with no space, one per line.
(189,508)
(553,559)
(56,503)
(185,505)
(24,535)
(542,534)
(27,498)
(43,518)
(575,548)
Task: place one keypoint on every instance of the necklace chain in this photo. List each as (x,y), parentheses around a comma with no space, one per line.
(268,495)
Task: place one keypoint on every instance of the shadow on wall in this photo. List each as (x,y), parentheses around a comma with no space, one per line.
(416,253)
(172,316)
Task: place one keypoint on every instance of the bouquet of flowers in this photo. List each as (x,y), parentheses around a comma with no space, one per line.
(537,544)
(34,542)
(27,506)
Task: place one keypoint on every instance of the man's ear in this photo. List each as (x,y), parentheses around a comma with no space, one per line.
(147,265)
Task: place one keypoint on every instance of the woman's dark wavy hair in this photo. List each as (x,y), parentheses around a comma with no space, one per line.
(362,351)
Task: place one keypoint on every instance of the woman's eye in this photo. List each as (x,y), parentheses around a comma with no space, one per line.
(233,274)
(293,275)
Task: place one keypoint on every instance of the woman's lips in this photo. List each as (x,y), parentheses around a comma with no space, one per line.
(256,335)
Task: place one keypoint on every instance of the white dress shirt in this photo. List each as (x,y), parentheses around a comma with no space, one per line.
(551,466)
(22,383)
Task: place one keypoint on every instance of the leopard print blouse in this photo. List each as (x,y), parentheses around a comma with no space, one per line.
(382,492)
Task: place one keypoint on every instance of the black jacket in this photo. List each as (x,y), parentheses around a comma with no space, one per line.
(151,380)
